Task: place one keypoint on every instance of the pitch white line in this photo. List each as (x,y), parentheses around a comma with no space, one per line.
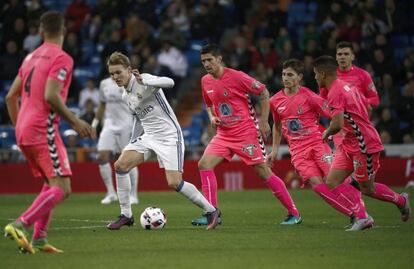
(75,228)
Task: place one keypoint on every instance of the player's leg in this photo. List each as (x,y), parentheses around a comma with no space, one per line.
(105,171)
(133,177)
(371,164)
(280,191)
(214,154)
(121,140)
(342,168)
(188,190)
(107,145)
(129,159)
(46,161)
(317,163)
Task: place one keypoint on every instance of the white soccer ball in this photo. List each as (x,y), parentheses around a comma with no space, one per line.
(153,218)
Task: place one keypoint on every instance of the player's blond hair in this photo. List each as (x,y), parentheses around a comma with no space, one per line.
(118,58)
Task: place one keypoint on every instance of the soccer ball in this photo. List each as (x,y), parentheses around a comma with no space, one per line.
(153,218)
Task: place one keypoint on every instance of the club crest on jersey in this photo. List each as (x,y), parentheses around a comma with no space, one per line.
(225,93)
(255,84)
(139,96)
(249,149)
(62,74)
(300,110)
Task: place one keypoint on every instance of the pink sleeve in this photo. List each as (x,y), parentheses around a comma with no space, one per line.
(336,102)
(249,84)
(320,105)
(370,92)
(61,69)
(206,99)
(273,109)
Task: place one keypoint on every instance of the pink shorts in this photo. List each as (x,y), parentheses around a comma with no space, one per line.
(47,161)
(251,150)
(313,162)
(365,166)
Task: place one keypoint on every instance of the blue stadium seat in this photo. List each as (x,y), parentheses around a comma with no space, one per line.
(88,51)
(400,41)
(7,137)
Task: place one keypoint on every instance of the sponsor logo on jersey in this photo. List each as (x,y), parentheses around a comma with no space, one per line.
(145,111)
(225,109)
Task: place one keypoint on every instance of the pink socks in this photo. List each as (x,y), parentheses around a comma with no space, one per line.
(384,193)
(42,206)
(209,186)
(279,190)
(342,206)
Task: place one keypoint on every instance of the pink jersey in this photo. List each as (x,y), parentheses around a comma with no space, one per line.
(35,118)
(229,97)
(299,115)
(362,80)
(359,133)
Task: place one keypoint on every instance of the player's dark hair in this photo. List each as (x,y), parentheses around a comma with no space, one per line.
(212,48)
(345,44)
(326,63)
(52,23)
(295,64)
(118,58)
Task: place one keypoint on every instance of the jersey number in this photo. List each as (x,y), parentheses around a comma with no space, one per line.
(28,83)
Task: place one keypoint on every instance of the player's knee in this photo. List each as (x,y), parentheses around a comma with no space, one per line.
(121,167)
(203,165)
(367,190)
(263,172)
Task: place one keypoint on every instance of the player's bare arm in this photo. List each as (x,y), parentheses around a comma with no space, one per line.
(98,115)
(215,121)
(336,124)
(12,99)
(264,127)
(53,98)
(277,137)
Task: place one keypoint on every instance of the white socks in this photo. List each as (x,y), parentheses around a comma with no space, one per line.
(123,189)
(106,174)
(195,196)
(133,175)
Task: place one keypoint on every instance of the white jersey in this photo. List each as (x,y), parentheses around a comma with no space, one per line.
(117,114)
(146,99)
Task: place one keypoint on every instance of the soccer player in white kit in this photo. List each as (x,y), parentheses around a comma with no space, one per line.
(162,135)
(113,137)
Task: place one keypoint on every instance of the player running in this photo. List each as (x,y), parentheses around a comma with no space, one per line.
(296,111)
(226,94)
(162,134)
(42,86)
(361,144)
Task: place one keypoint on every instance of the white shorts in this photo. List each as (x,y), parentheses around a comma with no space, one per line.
(170,152)
(114,141)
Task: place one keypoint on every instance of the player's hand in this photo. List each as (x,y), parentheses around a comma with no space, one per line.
(137,74)
(326,136)
(271,157)
(215,121)
(84,129)
(264,129)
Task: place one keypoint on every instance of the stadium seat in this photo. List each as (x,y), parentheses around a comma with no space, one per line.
(7,137)
(88,51)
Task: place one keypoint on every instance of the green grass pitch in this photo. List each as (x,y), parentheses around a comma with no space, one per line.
(250,236)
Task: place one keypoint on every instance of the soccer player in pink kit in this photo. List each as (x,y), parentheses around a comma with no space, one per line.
(354,75)
(296,111)
(42,86)
(226,94)
(361,144)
